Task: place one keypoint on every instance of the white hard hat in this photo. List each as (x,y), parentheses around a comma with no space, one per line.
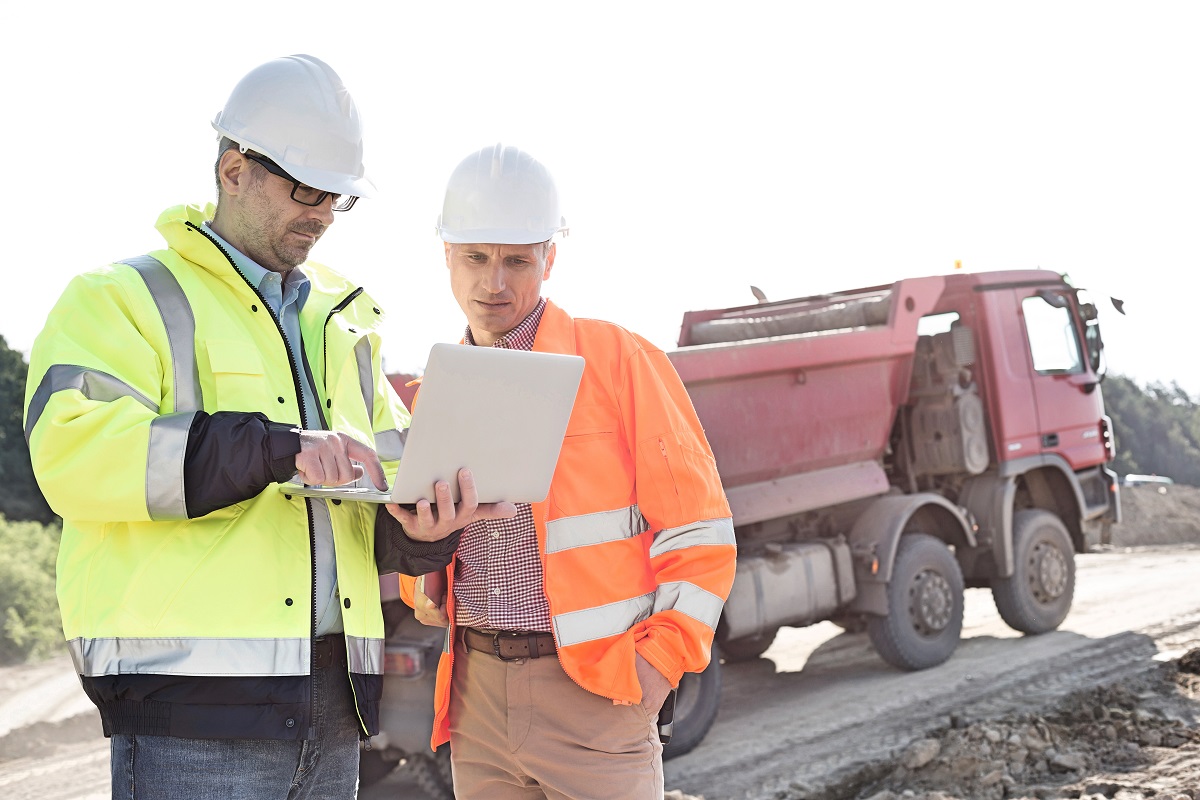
(500,195)
(296,112)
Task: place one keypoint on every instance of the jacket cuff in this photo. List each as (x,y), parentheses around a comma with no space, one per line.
(282,443)
(396,552)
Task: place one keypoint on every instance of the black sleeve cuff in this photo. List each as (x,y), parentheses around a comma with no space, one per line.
(396,552)
(282,445)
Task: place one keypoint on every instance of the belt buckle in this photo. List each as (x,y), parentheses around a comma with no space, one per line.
(496,649)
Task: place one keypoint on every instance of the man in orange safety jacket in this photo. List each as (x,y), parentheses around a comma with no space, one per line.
(570,624)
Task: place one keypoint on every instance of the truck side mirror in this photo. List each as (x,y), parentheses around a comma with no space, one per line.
(1054,298)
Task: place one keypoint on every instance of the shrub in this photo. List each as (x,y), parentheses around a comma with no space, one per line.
(30,627)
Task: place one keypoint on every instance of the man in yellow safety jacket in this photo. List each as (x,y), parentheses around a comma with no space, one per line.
(571,623)
(230,633)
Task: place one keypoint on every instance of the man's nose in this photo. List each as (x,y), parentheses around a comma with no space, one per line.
(323,211)
(493,279)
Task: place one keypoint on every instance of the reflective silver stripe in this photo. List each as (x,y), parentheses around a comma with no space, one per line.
(366,377)
(613,619)
(365,656)
(389,445)
(448,641)
(597,528)
(198,656)
(164,466)
(92,383)
(690,599)
(695,534)
(177,318)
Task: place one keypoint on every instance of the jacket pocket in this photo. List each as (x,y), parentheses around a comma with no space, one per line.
(238,375)
(684,477)
(595,471)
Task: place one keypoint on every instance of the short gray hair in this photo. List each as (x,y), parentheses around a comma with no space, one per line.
(257,171)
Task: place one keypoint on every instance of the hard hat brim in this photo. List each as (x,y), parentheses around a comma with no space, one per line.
(498,235)
(325,180)
(336,182)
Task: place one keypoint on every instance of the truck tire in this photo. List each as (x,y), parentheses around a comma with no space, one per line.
(1037,596)
(749,648)
(432,773)
(695,708)
(925,605)
(374,767)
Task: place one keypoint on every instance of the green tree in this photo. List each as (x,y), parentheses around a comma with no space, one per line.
(30,627)
(20,497)
(1157,429)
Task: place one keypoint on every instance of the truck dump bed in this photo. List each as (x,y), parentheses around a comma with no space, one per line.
(798,397)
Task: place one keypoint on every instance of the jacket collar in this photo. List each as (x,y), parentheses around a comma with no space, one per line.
(556,331)
(181,227)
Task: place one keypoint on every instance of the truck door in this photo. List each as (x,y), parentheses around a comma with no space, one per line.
(1065,387)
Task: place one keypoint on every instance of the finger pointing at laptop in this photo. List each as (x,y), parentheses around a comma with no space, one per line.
(327,458)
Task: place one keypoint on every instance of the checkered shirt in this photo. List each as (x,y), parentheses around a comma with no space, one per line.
(498,574)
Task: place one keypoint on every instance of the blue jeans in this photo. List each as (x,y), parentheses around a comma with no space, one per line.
(324,768)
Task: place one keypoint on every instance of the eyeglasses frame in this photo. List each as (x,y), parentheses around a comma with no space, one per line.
(273,168)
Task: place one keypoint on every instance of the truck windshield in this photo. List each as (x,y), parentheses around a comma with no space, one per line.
(1052,339)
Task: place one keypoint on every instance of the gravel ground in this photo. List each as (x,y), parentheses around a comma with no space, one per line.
(1128,741)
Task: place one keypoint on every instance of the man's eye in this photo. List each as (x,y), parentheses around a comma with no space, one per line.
(309,193)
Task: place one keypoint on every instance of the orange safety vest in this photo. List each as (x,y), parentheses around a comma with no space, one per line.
(636,536)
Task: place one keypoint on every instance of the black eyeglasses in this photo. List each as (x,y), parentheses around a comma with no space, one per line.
(301,193)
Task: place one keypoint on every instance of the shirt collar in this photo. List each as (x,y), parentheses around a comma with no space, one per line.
(295,280)
(520,337)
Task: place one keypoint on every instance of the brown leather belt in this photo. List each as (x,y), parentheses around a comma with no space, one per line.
(330,649)
(508,645)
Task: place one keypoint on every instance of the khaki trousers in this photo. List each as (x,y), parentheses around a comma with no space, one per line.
(524,729)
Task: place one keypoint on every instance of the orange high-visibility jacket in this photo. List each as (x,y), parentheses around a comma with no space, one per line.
(636,537)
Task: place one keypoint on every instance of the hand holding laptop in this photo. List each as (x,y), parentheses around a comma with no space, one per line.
(430,522)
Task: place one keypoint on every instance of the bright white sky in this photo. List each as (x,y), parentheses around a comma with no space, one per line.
(699,148)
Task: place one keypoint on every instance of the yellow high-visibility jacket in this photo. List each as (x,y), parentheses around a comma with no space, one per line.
(189,610)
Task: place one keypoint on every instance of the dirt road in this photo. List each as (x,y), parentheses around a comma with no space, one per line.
(818,706)
(819,703)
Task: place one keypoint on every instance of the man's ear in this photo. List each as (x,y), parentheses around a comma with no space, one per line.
(447,246)
(549,261)
(233,171)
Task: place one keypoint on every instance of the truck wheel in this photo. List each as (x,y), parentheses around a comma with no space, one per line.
(749,648)
(925,605)
(373,767)
(1037,596)
(695,708)
(432,773)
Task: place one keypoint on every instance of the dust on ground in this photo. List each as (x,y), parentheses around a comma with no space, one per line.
(1154,515)
(1132,740)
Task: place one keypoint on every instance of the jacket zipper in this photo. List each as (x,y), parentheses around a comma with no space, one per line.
(312,531)
(345,301)
(338,308)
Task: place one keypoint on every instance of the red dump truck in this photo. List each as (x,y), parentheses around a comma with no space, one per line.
(883,448)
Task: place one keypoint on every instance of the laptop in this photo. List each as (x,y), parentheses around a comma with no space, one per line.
(501,413)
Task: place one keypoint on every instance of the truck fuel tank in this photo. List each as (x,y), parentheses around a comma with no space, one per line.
(793,584)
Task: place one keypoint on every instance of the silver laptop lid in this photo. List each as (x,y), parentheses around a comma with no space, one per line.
(500,412)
